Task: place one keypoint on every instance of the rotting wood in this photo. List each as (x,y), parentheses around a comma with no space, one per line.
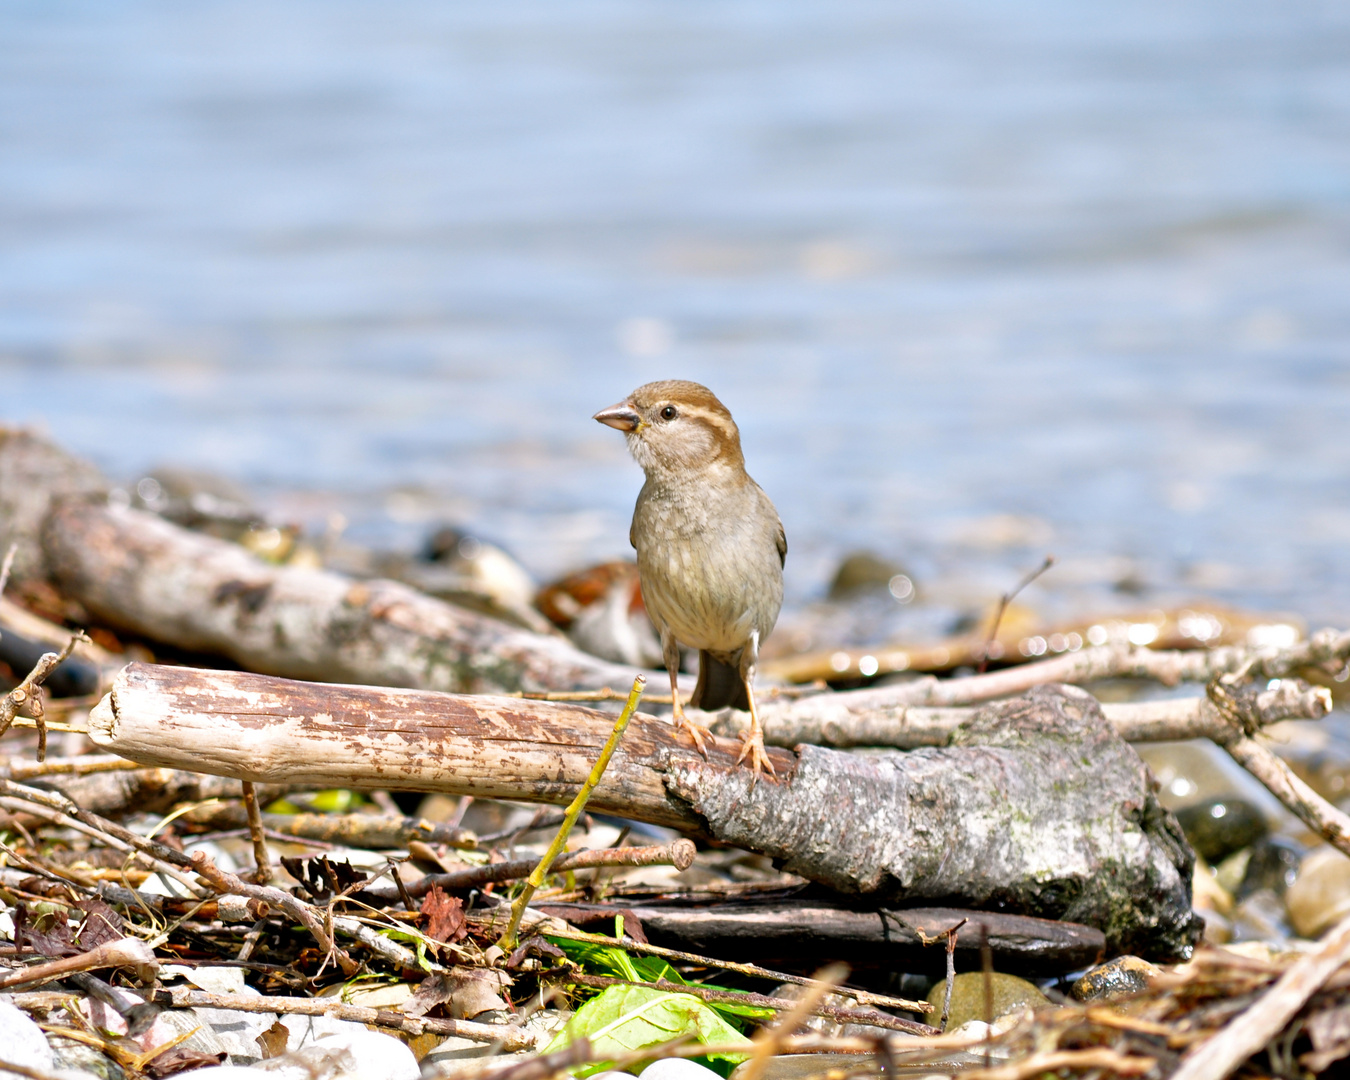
(1072,829)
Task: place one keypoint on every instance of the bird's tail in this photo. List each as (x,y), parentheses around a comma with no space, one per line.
(719,685)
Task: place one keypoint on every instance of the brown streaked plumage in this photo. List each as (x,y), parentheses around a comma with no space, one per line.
(710,546)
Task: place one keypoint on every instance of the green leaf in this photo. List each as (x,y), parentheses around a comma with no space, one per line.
(627,1018)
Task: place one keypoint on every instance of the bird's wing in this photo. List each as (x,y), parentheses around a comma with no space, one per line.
(781,541)
(632,540)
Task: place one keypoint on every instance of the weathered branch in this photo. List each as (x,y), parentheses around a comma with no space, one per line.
(124,952)
(512,1039)
(839,720)
(139,571)
(1103,852)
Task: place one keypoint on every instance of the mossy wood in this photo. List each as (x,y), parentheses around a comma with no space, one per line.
(1038,807)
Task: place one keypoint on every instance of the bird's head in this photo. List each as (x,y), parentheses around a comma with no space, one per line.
(676,426)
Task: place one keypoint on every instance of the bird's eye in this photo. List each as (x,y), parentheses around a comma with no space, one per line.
(668,413)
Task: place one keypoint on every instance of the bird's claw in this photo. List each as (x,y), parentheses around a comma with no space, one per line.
(752,746)
(697,732)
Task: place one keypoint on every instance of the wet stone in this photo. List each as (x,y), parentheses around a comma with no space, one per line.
(1219,827)
(1273,864)
(23,1042)
(1120,977)
(1007,992)
(1320,896)
(1260,917)
(863,571)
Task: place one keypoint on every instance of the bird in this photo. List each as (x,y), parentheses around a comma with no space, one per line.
(710,548)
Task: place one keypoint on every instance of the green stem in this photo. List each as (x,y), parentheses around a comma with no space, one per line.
(540,872)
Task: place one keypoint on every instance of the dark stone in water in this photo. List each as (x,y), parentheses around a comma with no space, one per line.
(1273,865)
(1217,828)
(1120,977)
(860,572)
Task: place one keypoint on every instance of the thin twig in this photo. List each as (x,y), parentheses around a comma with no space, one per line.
(262,873)
(863,997)
(678,853)
(29,691)
(512,1039)
(1006,599)
(768,1041)
(297,909)
(951,973)
(540,872)
(7,566)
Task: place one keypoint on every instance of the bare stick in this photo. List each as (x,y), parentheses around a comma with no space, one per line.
(262,861)
(512,1039)
(1254,1027)
(768,1041)
(951,973)
(85,765)
(7,566)
(297,909)
(540,872)
(124,952)
(1003,602)
(1051,1061)
(678,853)
(29,693)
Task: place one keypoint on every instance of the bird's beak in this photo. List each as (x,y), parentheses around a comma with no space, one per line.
(622,416)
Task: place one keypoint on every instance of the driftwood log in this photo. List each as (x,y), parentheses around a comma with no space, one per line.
(1038,807)
(806,932)
(138,571)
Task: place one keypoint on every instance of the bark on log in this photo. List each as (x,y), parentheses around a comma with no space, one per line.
(806,933)
(194,591)
(1052,815)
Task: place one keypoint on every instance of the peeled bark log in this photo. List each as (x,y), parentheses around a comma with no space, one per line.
(194,591)
(805,933)
(1038,808)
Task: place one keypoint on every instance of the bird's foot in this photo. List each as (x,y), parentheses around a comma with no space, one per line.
(697,732)
(752,746)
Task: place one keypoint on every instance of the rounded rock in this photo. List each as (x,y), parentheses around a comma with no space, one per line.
(23,1042)
(1273,865)
(1120,977)
(678,1069)
(1007,992)
(1320,896)
(1219,827)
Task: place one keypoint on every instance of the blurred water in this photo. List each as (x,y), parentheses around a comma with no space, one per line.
(1086,267)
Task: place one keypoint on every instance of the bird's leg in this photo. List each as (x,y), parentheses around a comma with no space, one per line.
(752,740)
(670,650)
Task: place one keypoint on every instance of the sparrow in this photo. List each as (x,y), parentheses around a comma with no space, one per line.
(710,548)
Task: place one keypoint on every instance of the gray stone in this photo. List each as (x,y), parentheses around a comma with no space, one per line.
(77,1057)
(23,1042)
(678,1069)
